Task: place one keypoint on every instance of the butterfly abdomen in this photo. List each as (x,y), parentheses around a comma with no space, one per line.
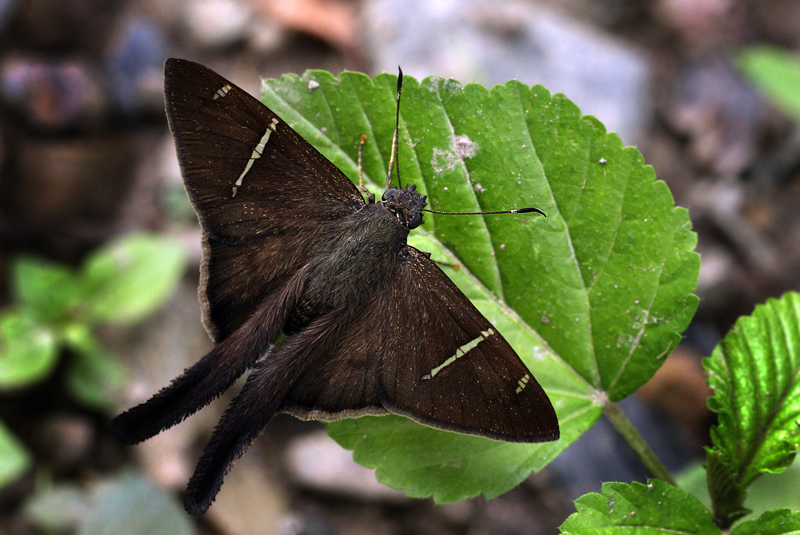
(353,261)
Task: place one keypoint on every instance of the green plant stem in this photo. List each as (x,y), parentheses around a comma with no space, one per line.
(726,491)
(635,440)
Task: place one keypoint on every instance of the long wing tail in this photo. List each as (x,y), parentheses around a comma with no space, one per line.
(211,375)
(263,395)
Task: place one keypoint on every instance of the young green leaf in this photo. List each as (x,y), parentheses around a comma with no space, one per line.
(14,458)
(131,278)
(47,289)
(592,297)
(778,522)
(28,349)
(94,376)
(657,507)
(753,373)
(777,73)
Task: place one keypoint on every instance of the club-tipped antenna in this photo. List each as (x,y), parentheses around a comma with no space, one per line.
(513,211)
(395,140)
(396,164)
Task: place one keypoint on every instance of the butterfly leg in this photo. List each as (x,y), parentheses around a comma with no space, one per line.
(361,187)
(447,264)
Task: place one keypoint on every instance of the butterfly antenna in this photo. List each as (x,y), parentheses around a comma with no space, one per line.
(514,211)
(395,141)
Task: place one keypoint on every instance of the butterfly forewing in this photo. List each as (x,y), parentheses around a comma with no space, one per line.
(228,141)
(285,191)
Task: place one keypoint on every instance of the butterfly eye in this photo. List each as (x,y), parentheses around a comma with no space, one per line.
(416,220)
(390,193)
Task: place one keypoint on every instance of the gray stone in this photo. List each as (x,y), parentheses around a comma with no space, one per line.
(493,42)
(317,462)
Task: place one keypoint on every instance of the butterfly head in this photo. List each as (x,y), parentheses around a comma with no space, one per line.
(406,204)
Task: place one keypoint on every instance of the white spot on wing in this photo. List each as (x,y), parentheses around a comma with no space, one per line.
(222,91)
(523,382)
(460,352)
(257,152)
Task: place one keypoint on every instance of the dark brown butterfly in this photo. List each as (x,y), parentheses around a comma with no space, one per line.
(370,324)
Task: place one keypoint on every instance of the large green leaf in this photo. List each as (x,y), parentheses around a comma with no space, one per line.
(753,373)
(592,297)
(650,509)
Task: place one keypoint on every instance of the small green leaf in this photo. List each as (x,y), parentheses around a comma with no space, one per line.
(591,297)
(28,349)
(131,278)
(14,458)
(777,522)
(94,376)
(132,504)
(775,491)
(753,373)
(47,288)
(656,507)
(777,73)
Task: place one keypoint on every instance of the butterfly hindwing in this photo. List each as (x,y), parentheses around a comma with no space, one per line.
(263,394)
(214,373)
(343,382)
(421,349)
(448,367)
